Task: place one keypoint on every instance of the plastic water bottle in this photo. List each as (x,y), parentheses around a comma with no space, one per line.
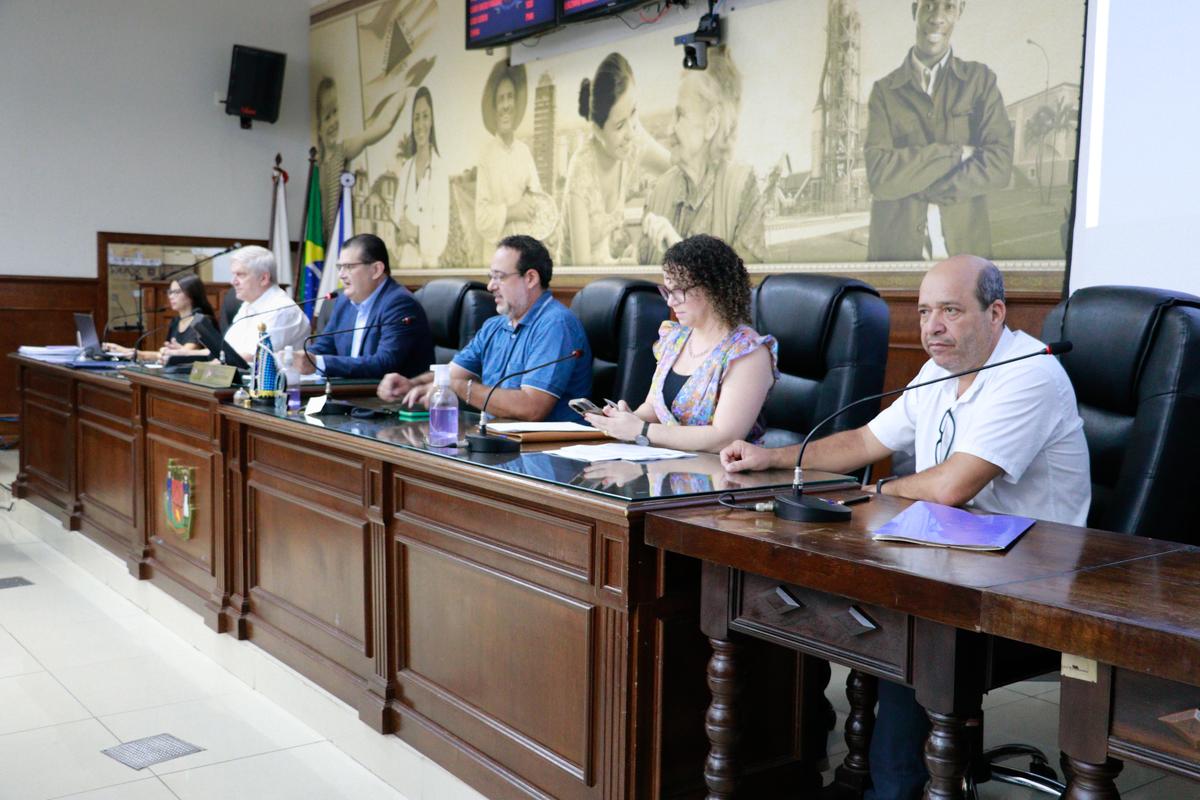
(292,375)
(443,409)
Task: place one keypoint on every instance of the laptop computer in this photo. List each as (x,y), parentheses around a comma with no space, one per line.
(85,328)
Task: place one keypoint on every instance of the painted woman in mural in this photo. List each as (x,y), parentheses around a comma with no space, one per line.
(508,193)
(423,197)
(705,191)
(599,174)
(334,154)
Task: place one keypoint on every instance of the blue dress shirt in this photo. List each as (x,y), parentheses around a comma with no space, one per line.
(547,331)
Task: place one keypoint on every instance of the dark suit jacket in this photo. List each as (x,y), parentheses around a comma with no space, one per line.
(393,346)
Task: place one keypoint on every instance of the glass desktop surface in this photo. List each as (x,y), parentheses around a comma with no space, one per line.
(698,475)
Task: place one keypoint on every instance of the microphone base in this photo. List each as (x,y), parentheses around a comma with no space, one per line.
(488,443)
(806,508)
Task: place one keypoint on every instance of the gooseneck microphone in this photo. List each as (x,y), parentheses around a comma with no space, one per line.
(201,261)
(330,296)
(484,442)
(155,330)
(108,323)
(798,507)
(367,327)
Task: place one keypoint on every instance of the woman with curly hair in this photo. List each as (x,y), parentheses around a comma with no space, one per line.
(714,371)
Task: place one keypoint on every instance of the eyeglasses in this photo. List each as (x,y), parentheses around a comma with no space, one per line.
(500,277)
(349,265)
(674,296)
(174,291)
(942,452)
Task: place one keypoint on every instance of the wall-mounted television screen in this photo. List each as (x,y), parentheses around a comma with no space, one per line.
(576,10)
(491,23)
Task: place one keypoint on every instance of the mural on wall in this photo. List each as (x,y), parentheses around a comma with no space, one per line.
(873,135)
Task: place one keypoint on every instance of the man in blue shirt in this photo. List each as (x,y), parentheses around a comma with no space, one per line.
(383,327)
(531,328)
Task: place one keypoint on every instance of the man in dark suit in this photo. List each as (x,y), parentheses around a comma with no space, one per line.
(385,329)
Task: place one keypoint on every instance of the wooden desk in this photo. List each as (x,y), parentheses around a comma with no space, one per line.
(1137,623)
(916,615)
(502,615)
(78,452)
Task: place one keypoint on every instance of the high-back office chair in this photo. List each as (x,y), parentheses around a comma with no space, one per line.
(1135,368)
(456,309)
(621,317)
(1136,372)
(229,308)
(833,340)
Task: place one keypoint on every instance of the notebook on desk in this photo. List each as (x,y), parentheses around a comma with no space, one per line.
(943,526)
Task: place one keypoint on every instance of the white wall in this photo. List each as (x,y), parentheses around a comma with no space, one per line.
(1138,218)
(109,123)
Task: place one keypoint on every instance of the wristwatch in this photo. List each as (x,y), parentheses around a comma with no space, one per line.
(643,438)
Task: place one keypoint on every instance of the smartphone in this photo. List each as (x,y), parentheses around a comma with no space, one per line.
(581,406)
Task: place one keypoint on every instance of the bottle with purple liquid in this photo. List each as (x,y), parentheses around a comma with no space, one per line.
(443,409)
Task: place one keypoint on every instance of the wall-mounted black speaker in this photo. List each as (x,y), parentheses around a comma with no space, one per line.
(255,84)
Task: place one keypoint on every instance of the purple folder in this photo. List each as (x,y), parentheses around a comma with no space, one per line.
(944,526)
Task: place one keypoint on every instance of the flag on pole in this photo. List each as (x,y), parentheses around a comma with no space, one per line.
(312,246)
(279,242)
(343,229)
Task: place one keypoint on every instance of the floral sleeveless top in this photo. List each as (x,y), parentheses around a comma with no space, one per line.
(697,399)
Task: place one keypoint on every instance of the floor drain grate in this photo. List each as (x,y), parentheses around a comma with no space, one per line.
(142,753)
(14,582)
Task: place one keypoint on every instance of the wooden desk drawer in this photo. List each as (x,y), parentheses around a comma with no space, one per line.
(871,638)
(1156,721)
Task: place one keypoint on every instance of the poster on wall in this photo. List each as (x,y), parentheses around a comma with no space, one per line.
(849,136)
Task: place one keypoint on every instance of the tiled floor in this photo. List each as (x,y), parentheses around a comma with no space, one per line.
(1027,712)
(90,657)
(84,667)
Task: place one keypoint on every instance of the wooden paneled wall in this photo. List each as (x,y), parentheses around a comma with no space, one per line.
(38,310)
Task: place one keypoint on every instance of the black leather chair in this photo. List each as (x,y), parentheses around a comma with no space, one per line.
(229,308)
(1135,368)
(621,317)
(1136,373)
(833,340)
(457,309)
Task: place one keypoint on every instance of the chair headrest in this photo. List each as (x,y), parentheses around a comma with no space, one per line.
(442,300)
(798,310)
(598,306)
(1112,329)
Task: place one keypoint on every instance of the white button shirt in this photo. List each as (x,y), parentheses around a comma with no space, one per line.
(1021,417)
(287,326)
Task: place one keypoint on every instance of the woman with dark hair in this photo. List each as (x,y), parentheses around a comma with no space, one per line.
(714,371)
(423,198)
(598,176)
(187,331)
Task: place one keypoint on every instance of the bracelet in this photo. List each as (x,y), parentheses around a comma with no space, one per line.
(470,382)
(879,483)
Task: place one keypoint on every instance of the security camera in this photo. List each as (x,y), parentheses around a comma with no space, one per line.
(695,45)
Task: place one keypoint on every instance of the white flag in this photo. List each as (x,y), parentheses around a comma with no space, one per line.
(343,229)
(279,231)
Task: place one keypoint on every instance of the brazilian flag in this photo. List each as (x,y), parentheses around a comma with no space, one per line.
(313,247)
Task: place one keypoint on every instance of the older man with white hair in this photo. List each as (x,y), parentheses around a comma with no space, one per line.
(253,279)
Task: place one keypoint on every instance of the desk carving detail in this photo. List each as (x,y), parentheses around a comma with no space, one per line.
(1186,725)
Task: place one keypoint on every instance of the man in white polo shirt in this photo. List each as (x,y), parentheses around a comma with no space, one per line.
(253,279)
(1006,440)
